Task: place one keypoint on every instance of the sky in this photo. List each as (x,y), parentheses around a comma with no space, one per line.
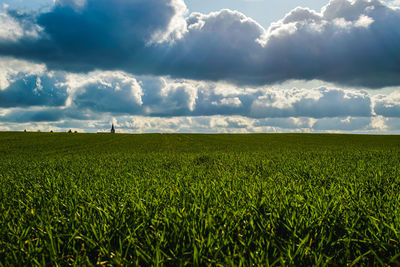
(209,66)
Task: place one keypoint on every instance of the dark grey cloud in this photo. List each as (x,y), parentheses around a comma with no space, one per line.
(33,90)
(387,105)
(219,46)
(23,116)
(80,96)
(47,114)
(352,43)
(387,110)
(342,124)
(318,103)
(96,33)
(29,93)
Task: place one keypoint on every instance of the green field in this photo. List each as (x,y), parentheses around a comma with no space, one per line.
(264,199)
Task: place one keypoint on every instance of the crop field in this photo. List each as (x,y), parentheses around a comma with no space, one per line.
(182,199)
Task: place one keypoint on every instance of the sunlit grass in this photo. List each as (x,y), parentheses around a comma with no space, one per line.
(92,199)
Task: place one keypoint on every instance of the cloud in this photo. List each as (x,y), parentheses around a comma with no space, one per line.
(98,34)
(219,46)
(32,97)
(79,96)
(387,105)
(23,84)
(164,97)
(116,92)
(395,3)
(12,69)
(239,124)
(120,93)
(342,124)
(33,91)
(15,26)
(48,114)
(33,115)
(213,124)
(317,103)
(348,42)
(379,123)
(351,43)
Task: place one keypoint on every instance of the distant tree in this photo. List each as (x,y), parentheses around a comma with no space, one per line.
(70,131)
(51,131)
(25,131)
(76,132)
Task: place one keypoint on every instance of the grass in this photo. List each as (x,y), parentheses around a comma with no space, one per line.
(263,199)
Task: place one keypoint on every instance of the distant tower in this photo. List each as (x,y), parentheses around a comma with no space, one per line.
(112,128)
